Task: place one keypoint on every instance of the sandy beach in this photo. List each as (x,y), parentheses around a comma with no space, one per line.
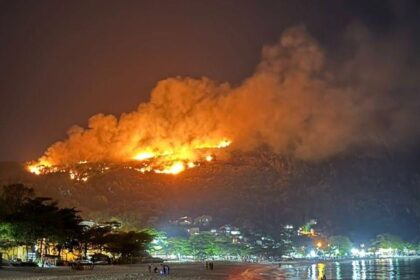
(230,271)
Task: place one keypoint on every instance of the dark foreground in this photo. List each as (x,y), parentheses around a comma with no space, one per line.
(229,271)
(393,268)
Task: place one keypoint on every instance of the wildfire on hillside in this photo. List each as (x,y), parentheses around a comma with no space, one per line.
(294,103)
(144,161)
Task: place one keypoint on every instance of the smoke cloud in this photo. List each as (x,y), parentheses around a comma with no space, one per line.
(299,101)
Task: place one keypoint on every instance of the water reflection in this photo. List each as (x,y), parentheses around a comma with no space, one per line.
(312,272)
(337,270)
(358,269)
(316,271)
(364,269)
(363,265)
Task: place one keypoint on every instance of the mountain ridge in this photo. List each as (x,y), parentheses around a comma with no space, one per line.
(355,195)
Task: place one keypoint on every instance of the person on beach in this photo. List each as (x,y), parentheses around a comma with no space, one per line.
(156,270)
(167,268)
(150,268)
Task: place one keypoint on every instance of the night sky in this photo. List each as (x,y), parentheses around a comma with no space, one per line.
(63,61)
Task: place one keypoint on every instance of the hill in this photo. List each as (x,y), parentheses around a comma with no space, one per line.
(358,196)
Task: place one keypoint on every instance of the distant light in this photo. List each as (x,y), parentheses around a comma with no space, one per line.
(312,254)
(354,251)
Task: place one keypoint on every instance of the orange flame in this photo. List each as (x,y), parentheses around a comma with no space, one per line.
(172,161)
(175,168)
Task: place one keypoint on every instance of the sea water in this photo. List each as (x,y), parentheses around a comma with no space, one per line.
(369,269)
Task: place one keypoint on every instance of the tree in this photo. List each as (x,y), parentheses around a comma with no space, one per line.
(95,237)
(6,236)
(390,241)
(128,244)
(67,228)
(340,245)
(29,219)
(159,243)
(41,218)
(203,245)
(179,246)
(13,197)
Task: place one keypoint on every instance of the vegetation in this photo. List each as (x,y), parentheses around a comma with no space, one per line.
(389,241)
(199,246)
(127,244)
(219,245)
(26,220)
(339,245)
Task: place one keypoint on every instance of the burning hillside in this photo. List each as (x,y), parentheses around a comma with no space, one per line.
(169,162)
(298,103)
(83,170)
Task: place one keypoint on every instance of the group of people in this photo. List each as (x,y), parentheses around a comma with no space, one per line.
(165,269)
(209,265)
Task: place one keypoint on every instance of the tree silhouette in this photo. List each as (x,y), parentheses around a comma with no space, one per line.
(29,219)
(95,237)
(26,220)
(128,244)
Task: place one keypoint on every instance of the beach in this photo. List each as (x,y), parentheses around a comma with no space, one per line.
(193,271)
(390,268)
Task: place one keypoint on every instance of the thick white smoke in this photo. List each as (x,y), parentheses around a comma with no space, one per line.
(298,102)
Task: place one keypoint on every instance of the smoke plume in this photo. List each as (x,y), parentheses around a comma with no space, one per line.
(299,101)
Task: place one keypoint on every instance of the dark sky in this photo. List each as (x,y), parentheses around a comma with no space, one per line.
(63,61)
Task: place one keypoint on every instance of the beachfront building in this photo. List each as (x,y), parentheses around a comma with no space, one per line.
(203,220)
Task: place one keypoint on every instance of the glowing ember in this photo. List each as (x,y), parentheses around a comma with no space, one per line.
(144,155)
(173,161)
(72,175)
(35,169)
(224,144)
(39,168)
(175,168)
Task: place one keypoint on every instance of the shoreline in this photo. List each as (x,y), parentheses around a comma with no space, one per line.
(184,271)
(344,259)
(295,269)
